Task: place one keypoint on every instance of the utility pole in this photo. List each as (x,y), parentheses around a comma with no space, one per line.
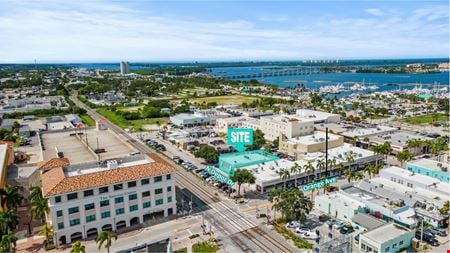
(326,151)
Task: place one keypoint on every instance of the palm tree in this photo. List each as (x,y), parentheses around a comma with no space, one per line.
(284,175)
(404,156)
(8,221)
(105,237)
(275,199)
(296,169)
(350,159)
(11,197)
(341,168)
(353,175)
(47,232)
(8,243)
(331,164)
(370,169)
(242,176)
(320,165)
(78,248)
(35,193)
(309,168)
(39,209)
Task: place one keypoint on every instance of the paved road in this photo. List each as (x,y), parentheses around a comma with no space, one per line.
(230,224)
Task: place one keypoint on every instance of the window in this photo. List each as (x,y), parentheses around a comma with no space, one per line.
(90,218)
(169,199)
(132,196)
(158,191)
(118,200)
(74,222)
(72,196)
(169,188)
(88,193)
(73,210)
(60,225)
(400,243)
(159,202)
(363,246)
(133,208)
(118,187)
(146,204)
(146,194)
(158,179)
(120,211)
(59,213)
(106,214)
(168,176)
(58,199)
(386,249)
(394,245)
(103,189)
(145,181)
(89,206)
(104,203)
(131,184)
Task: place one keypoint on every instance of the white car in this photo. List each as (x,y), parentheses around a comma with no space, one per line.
(293,224)
(302,231)
(309,235)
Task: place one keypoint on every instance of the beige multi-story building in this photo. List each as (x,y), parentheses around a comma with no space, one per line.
(111,195)
(272,126)
(309,143)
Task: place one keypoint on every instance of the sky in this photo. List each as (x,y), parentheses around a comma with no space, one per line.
(186,31)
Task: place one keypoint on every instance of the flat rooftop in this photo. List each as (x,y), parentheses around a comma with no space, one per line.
(88,168)
(361,132)
(313,115)
(334,127)
(317,137)
(77,152)
(386,232)
(429,164)
(414,177)
(269,170)
(241,159)
(398,138)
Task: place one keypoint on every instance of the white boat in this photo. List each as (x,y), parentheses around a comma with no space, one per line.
(358,87)
(332,89)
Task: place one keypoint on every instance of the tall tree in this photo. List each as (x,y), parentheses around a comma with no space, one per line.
(243,176)
(77,247)
(47,232)
(284,176)
(39,209)
(106,238)
(8,243)
(309,169)
(295,170)
(11,197)
(404,156)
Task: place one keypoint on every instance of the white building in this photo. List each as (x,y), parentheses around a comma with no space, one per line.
(124,65)
(85,199)
(318,116)
(187,119)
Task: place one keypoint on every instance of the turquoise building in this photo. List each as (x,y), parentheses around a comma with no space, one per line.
(430,168)
(229,162)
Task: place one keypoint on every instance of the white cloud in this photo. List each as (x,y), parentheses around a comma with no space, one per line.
(110,32)
(375,12)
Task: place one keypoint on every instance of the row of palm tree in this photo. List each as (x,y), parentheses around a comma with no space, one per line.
(10,200)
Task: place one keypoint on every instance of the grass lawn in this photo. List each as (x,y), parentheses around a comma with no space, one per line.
(427,119)
(87,120)
(123,123)
(224,100)
(205,247)
(130,108)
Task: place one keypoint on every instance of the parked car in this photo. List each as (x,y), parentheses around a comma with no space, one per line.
(346,229)
(428,238)
(324,217)
(293,224)
(437,231)
(338,225)
(331,222)
(310,235)
(300,230)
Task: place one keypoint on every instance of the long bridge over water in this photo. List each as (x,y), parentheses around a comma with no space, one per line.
(284,72)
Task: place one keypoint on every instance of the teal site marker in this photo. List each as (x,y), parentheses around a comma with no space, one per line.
(240,137)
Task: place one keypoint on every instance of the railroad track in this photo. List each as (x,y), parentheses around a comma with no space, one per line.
(245,230)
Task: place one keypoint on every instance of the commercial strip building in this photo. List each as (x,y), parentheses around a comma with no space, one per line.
(187,119)
(360,133)
(387,238)
(431,168)
(85,199)
(266,166)
(399,141)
